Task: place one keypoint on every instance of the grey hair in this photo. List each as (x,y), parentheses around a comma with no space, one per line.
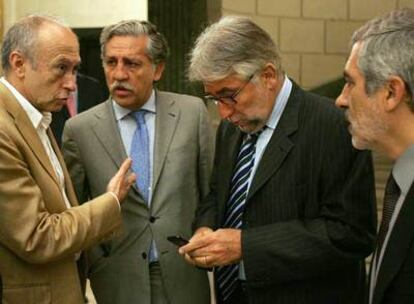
(22,36)
(157,48)
(233,45)
(387,45)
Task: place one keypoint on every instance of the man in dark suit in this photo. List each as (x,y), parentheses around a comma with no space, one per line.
(290,215)
(88,94)
(378,95)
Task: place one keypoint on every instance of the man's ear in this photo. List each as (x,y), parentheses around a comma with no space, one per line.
(269,75)
(17,63)
(396,93)
(159,69)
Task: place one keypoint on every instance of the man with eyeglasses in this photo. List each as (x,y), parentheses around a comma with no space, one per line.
(290,215)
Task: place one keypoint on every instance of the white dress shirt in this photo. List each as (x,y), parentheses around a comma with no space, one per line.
(41,122)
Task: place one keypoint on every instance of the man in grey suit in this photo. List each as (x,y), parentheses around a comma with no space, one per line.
(290,214)
(167,137)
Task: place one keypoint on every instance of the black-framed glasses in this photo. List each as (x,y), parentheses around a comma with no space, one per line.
(228,100)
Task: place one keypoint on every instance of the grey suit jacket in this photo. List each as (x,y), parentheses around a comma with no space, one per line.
(93,151)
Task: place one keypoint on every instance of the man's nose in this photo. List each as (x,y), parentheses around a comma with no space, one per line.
(70,83)
(225,111)
(342,100)
(120,72)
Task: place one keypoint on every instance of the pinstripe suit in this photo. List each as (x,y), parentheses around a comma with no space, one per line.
(309,218)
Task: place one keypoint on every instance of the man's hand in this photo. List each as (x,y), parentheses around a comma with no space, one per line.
(208,249)
(121,182)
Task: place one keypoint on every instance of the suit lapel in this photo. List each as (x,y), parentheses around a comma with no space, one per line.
(280,144)
(166,121)
(230,150)
(108,134)
(69,190)
(26,129)
(397,247)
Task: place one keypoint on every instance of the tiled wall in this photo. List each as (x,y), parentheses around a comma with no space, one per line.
(312,35)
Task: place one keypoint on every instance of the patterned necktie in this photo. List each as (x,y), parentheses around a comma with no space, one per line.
(140,155)
(392,193)
(227,276)
(71,105)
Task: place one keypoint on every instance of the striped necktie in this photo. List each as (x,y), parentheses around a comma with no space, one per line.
(227,276)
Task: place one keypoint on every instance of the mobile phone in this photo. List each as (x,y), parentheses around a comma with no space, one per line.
(177,240)
(180,241)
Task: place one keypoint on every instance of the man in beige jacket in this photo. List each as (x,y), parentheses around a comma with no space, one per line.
(42,228)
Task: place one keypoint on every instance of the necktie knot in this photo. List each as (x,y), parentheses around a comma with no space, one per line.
(392,187)
(139,117)
(252,137)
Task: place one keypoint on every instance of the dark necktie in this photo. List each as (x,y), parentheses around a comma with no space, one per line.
(391,195)
(227,276)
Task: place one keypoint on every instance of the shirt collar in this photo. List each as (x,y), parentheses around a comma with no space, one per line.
(280,104)
(121,112)
(403,170)
(37,118)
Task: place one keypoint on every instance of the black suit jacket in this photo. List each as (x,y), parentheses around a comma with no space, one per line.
(90,93)
(395,281)
(309,218)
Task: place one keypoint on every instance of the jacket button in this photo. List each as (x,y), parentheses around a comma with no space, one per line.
(144,255)
(152,219)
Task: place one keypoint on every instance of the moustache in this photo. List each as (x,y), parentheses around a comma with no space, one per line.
(121,85)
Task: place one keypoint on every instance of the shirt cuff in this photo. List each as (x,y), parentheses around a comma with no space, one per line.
(116,198)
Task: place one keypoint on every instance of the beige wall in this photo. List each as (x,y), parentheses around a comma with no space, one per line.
(82,13)
(312,35)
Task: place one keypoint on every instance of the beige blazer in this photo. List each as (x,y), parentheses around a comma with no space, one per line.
(39,236)
(93,150)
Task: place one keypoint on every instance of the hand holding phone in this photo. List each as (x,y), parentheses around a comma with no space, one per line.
(177,240)
(180,241)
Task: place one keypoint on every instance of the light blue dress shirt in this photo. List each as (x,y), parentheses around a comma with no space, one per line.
(127,125)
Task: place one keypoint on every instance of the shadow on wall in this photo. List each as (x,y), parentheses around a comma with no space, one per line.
(331,89)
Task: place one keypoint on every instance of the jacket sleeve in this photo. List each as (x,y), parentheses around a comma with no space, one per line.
(34,222)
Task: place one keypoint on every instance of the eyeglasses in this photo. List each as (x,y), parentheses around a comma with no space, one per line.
(228,100)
